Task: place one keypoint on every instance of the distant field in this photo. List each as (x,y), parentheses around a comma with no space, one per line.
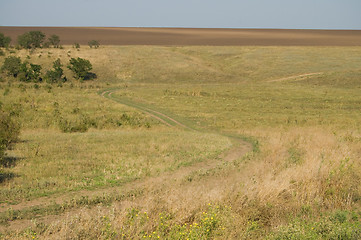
(194,36)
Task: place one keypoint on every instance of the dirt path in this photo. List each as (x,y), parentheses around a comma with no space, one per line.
(239,149)
(296,77)
(236,152)
(169,121)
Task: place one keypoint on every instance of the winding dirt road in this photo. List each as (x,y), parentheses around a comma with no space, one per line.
(239,149)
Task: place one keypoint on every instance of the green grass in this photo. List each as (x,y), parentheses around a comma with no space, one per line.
(52,162)
(337,225)
(254,105)
(45,107)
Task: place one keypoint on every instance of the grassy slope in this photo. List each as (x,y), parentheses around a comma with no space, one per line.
(308,129)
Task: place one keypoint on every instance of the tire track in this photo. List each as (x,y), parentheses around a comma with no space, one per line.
(153,113)
(299,77)
(239,149)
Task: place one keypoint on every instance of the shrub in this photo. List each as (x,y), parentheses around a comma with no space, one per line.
(23,71)
(30,74)
(32,39)
(56,74)
(93,43)
(80,124)
(9,132)
(12,66)
(76,45)
(4,41)
(54,40)
(46,44)
(81,68)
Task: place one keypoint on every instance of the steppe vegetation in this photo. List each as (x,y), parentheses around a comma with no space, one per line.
(99,159)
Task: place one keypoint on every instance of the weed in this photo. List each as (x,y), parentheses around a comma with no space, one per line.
(337,226)
(295,155)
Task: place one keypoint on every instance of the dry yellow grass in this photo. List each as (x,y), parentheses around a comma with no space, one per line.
(307,167)
(264,188)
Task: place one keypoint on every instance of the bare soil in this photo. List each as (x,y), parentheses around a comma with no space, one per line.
(195,36)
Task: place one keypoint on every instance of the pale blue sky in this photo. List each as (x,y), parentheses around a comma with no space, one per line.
(304,14)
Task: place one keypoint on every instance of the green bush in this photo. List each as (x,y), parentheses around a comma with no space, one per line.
(30,73)
(54,40)
(46,44)
(93,43)
(32,39)
(74,125)
(56,74)
(81,68)
(9,132)
(4,41)
(24,71)
(12,66)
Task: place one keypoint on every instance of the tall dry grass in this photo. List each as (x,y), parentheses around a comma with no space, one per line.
(250,197)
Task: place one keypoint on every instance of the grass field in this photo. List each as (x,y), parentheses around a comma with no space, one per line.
(193,142)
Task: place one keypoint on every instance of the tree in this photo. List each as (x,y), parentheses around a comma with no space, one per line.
(4,41)
(30,74)
(32,39)
(81,68)
(56,74)
(54,40)
(9,132)
(12,66)
(93,43)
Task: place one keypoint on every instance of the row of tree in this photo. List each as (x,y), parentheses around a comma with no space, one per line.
(37,39)
(28,72)
(32,39)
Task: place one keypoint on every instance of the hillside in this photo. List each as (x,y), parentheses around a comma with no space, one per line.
(185,142)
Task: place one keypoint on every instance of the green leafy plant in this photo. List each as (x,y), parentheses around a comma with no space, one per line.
(69,126)
(4,41)
(93,43)
(32,39)
(56,74)
(9,132)
(338,225)
(12,66)
(81,68)
(30,73)
(54,40)
(76,45)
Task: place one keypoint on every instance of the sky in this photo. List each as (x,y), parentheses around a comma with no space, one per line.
(294,14)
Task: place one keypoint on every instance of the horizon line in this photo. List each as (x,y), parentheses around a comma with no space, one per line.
(172,27)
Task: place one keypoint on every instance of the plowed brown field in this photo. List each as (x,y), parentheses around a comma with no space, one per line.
(194,36)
